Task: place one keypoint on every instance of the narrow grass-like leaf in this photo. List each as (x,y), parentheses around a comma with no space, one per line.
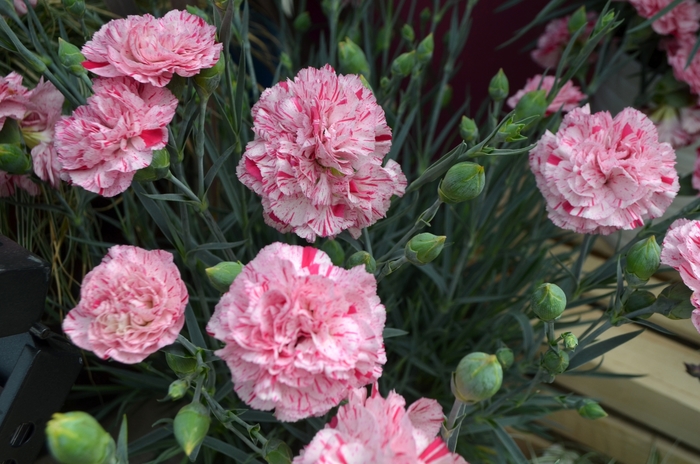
(598,349)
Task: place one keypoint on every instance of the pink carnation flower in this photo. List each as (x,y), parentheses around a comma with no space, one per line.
(151,50)
(316,159)
(381,431)
(599,174)
(131,305)
(102,144)
(678,51)
(683,19)
(300,333)
(12,98)
(556,36)
(567,99)
(21,7)
(10,182)
(681,251)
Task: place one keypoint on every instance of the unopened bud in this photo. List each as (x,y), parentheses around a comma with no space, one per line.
(302,23)
(425,15)
(286,61)
(570,341)
(531,107)
(208,79)
(335,252)
(158,169)
(424,51)
(190,427)
(384,82)
(510,132)
(498,88)
(639,299)
(407,33)
(352,59)
(77,438)
(589,409)
(181,365)
(70,57)
(468,129)
(478,377)
(177,389)
(403,64)
(643,258)
(505,357)
(13,159)
(604,22)
(424,248)
(463,181)
(446,96)
(362,258)
(74,7)
(555,362)
(548,302)
(679,294)
(384,38)
(223,274)
(578,20)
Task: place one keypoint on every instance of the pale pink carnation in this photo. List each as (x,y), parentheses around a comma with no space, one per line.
(567,99)
(12,98)
(102,144)
(316,159)
(683,19)
(300,333)
(555,38)
(677,52)
(10,182)
(131,305)
(681,251)
(381,431)
(599,174)
(21,7)
(151,50)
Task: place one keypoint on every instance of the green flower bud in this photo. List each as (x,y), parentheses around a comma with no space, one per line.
(555,362)
(510,132)
(70,57)
(14,160)
(643,258)
(74,7)
(468,129)
(505,357)
(77,438)
(578,20)
(335,251)
(424,248)
(208,79)
(384,82)
(683,310)
(383,38)
(548,302)
(286,61)
(362,258)
(403,64)
(570,341)
(604,21)
(352,59)
(680,294)
(478,377)
(424,51)
(181,365)
(639,299)
(425,15)
(446,96)
(11,133)
(223,274)
(177,389)
(407,33)
(302,23)
(498,88)
(158,169)
(589,409)
(531,107)
(190,427)
(463,181)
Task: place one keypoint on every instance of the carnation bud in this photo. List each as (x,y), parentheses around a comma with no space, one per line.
(384,82)
(335,252)
(352,59)
(643,258)
(510,132)
(578,20)
(407,33)
(223,274)
(362,258)
(570,341)
(498,88)
(683,310)
(384,38)
(403,64)
(424,51)
(77,438)
(424,248)
(589,409)
(302,23)
(13,159)
(208,79)
(158,169)
(425,15)
(446,96)
(478,377)
(604,21)
(468,129)
(74,7)
(190,427)
(548,302)
(286,61)
(680,295)
(505,357)
(70,57)
(555,362)
(639,299)
(463,181)
(181,365)
(531,106)
(177,389)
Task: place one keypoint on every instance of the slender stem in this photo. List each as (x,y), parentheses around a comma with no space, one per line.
(551,338)
(423,220)
(199,148)
(368,242)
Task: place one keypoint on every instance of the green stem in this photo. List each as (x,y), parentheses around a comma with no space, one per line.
(199,148)
(423,220)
